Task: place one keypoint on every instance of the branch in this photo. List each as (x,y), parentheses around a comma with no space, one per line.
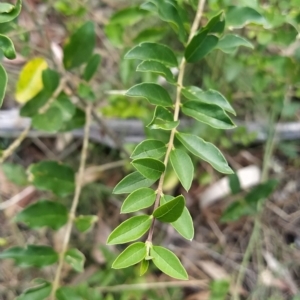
(79,183)
(176,113)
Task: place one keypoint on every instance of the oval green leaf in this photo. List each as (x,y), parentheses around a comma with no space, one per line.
(52,176)
(153,92)
(39,292)
(132,255)
(184,224)
(75,259)
(150,168)
(209,97)
(9,12)
(153,51)
(170,211)
(158,68)
(31,256)
(85,223)
(3,83)
(205,151)
(139,199)
(200,46)
(162,119)
(144,266)
(7,46)
(91,67)
(44,213)
(15,173)
(149,148)
(168,263)
(130,230)
(230,42)
(209,114)
(131,183)
(183,167)
(80,47)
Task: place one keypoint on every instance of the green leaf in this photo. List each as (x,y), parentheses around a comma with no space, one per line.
(76,259)
(15,173)
(236,210)
(31,256)
(209,97)
(150,35)
(130,230)
(209,114)
(234,183)
(158,68)
(184,224)
(219,289)
(216,24)
(169,11)
(238,17)
(200,45)
(154,52)
(132,255)
(66,107)
(86,92)
(230,42)
(7,46)
(149,148)
(262,191)
(50,80)
(77,121)
(49,121)
(44,213)
(68,293)
(205,151)
(115,33)
(139,199)
(131,183)
(153,92)
(85,223)
(168,262)
(9,12)
(144,267)
(91,67)
(170,211)
(183,167)
(53,176)
(163,119)
(3,83)
(150,168)
(128,16)
(39,292)
(80,47)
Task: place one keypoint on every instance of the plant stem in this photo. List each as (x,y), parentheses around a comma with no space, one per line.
(75,201)
(181,70)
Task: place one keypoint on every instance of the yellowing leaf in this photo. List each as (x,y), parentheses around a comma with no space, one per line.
(30,80)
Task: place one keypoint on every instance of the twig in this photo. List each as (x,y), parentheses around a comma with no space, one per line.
(9,151)
(153,285)
(75,201)
(181,70)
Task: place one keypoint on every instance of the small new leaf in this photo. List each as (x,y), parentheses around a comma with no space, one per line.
(132,255)
(170,211)
(168,262)
(131,183)
(150,168)
(7,46)
(183,167)
(44,213)
(149,148)
(85,223)
(209,114)
(162,119)
(158,68)
(153,92)
(205,151)
(144,266)
(130,230)
(139,199)
(154,52)
(76,259)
